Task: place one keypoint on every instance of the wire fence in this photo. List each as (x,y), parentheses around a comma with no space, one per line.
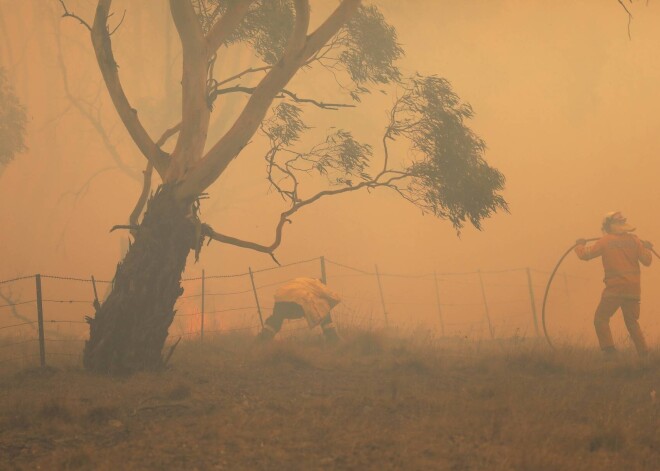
(488,304)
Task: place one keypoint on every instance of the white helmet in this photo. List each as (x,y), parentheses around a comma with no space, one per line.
(615,223)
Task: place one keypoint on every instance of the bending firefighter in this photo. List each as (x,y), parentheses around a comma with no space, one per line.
(621,252)
(303,297)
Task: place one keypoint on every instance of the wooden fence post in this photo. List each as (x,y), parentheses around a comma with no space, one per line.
(256,297)
(201,332)
(40,322)
(483,295)
(324,278)
(532,301)
(437,300)
(382,297)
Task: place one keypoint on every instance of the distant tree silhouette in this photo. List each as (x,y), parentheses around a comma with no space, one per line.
(13,119)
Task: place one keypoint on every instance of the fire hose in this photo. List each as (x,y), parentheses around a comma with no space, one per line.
(552,276)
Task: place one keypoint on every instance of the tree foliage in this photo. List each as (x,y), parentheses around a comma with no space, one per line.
(365,49)
(444,172)
(450,177)
(447,177)
(13,119)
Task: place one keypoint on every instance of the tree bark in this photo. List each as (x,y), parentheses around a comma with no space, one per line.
(129,330)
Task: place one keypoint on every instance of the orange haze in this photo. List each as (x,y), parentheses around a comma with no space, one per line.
(566,102)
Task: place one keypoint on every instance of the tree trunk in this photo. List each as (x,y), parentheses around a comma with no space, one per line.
(130,327)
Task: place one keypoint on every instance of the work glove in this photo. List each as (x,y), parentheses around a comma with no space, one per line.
(581,242)
(647,244)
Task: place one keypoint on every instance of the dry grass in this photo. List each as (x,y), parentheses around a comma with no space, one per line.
(373,402)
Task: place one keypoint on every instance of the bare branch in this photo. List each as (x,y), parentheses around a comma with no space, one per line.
(114,30)
(70,14)
(103,49)
(630,17)
(146,185)
(250,70)
(124,226)
(207,231)
(84,188)
(85,109)
(318,57)
(388,135)
(282,94)
(142,200)
(320,104)
(167,134)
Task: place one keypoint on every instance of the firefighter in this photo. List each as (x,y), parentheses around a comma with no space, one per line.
(303,297)
(621,252)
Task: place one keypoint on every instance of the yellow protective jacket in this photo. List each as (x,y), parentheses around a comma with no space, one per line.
(313,296)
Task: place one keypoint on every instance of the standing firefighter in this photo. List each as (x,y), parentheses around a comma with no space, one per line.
(621,252)
(303,297)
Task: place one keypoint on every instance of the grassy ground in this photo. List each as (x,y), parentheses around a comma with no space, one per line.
(370,403)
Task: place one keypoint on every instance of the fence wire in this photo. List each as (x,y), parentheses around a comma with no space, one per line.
(365,303)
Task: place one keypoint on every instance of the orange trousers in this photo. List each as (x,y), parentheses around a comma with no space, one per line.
(630,308)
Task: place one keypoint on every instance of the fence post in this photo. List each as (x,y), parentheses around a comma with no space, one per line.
(256,297)
(483,295)
(201,332)
(382,297)
(437,299)
(533,301)
(324,278)
(40,322)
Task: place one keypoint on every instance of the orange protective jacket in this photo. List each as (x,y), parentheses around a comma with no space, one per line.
(621,255)
(313,296)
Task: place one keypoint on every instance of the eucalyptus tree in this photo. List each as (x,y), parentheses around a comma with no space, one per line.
(13,119)
(444,172)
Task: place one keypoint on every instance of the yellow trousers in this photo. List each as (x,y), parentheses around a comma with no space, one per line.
(630,309)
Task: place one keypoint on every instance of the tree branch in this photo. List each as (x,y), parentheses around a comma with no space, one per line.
(142,200)
(282,94)
(146,185)
(103,50)
(226,25)
(249,70)
(187,25)
(298,50)
(630,17)
(167,134)
(330,26)
(84,108)
(207,231)
(198,54)
(195,110)
(70,14)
